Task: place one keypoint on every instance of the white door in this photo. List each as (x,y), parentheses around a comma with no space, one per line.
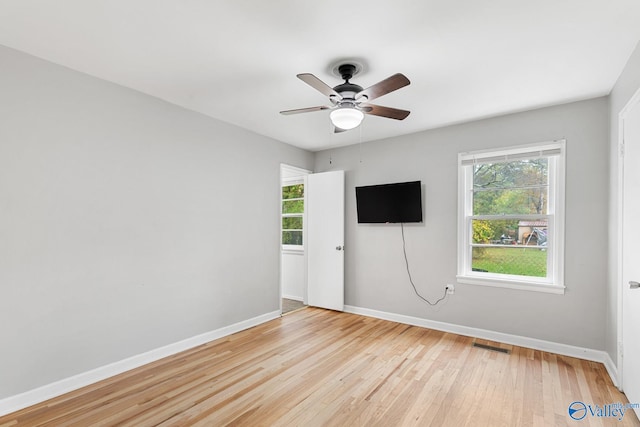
(325,240)
(631,255)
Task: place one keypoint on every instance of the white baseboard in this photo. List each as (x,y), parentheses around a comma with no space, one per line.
(536,344)
(612,369)
(40,394)
(295,298)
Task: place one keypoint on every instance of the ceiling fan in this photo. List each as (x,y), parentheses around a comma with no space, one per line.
(349,102)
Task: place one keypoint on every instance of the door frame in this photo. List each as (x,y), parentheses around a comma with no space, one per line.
(633,101)
(302,173)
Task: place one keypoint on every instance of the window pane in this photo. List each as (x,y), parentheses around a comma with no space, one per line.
(518,187)
(518,260)
(293,191)
(531,200)
(293,206)
(509,232)
(292,237)
(292,223)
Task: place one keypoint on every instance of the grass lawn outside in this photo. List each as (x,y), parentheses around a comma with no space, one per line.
(519,260)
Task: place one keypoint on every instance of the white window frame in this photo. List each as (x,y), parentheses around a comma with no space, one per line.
(554,282)
(285,183)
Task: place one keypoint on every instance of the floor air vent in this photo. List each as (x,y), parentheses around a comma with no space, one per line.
(492,348)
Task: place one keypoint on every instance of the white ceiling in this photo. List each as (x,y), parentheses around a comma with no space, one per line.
(237,60)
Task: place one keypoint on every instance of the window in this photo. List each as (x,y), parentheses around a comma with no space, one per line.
(511,217)
(292,214)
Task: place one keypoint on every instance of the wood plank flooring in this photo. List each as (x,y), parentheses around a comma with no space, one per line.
(316,367)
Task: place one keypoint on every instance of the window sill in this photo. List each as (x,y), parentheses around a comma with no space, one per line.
(512,284)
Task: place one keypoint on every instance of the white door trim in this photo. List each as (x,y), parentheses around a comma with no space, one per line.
(635,99)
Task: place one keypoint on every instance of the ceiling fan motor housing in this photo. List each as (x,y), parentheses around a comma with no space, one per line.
(347,90)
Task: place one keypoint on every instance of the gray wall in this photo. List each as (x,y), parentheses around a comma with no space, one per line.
(375,275)
(626,86)
(126,223)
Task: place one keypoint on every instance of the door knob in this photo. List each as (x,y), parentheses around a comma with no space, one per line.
(634,285)
(339,248)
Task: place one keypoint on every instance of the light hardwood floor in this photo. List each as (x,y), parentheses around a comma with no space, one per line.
(315,367)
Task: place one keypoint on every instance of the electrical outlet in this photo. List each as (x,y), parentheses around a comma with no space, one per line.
(450,289)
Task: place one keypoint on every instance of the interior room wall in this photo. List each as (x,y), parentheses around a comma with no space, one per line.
(627,85)
(292,273)
(375,275)
(126,223)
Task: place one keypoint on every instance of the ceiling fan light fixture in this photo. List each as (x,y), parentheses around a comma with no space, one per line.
(346,118)
(349,101)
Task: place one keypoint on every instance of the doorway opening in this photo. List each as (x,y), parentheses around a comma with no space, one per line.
(293,260)
(628,273)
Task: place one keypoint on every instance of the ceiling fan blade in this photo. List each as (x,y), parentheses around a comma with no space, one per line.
(387,85)
(304,110)
(388,112)
(318,84)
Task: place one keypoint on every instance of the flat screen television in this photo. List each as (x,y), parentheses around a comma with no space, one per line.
(393,203)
